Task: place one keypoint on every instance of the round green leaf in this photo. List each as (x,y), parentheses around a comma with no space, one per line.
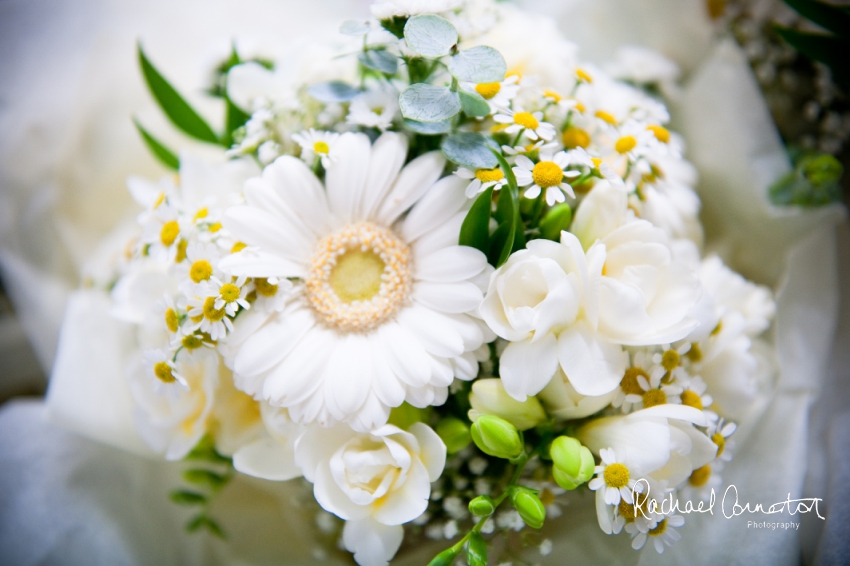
(333,91)
(430,35)
(429,128)
(470,149)
(473,104)
(428,103)
(479,64)
(379,60)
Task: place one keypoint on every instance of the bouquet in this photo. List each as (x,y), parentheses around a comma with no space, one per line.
(449,275)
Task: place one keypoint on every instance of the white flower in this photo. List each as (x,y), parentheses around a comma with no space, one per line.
(498,95)
(546,175)
(317,144)
(644,66)
(562,401)
(201,303)
(202,263)
(482,179)
(376,481)
(231,296)
(389,8)
(173,421)
(271,454)
(375,108)
(381,312)
(660,535)
(732,293)
(160,367)
(613,480)
(528,123)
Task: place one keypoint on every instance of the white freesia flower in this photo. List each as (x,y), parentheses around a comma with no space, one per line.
(376,481)
(271,454)
(382,310)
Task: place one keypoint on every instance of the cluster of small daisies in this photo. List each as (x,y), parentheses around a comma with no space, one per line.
(305,302)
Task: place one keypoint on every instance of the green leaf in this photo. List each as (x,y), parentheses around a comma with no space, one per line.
(508,237)
(833,18)
(428,103)
(185,497)
(235,118)
(395,25)
(162,153)
(175,107)
(429,128)
(354,27)
(557,219)
(470,149)
(203,521)
(476,550)
(205,451)
(380,60)
(475,230)
(445,558)
(827,49)
(481,64)
(333,91)
(205,477)
(473,104)
(430,35)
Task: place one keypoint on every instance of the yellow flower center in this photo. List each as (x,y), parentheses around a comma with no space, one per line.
(625,144)
(700,476)
(377,110)
(265,288)
(695,353)
(215,227)
(670,360)
(210,312)
(488,90)
(659,528)
(526,120)
(171,320)
(201,214)
(627,510)
(162,371)
(596,162)
(489,175)
(630,384)
(720,441)
(582,75)
(716,8)
(159,200)
(580,107)
(662,134)
(201,270)
(653,397)
(606,117)
(575,137)
(552,94)
(238,247)
(691,399)
(192,342)
(180,255)
(359,276)
(229,292)
(547,174)
(616,475)
(170,231)
(321,147)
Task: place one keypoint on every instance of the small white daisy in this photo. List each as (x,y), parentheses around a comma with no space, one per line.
(614,479)
(694,395)
(317,144)
(482,179)
(719,432)
(546,175)
(529,123)
(160,367)
(201,262)
(231,296)
(375,108)
(633,140)
(203,312)
(660,535)
(271,293)
(498,95)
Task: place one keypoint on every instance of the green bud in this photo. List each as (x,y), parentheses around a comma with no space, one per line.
(573,463)
(497,437)
(822,169)
(476,550)
(529,506)
(445,558)
(405,415)
(482,506)
(488,397)
(454,433)
(558,218)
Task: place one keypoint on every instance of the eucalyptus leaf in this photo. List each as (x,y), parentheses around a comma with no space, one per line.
(333,91)
(473,104)
(481,64)
(430,35)
(475,230)
(470,149)
(379,60)
(162,153)
(429,128)
(354,27)
(428,103)
(175,106)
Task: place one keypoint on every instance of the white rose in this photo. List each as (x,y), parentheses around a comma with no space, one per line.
(376,481)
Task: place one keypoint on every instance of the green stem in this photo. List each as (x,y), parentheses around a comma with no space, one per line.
(516,139)
(538,208)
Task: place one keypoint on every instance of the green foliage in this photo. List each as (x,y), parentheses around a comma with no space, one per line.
(480,64)
(482,506)
(428,103)
(476,550)
(406,414)
(814,181)
(430,35)
(395,25)
(203,477)
(185,497)
(429,128)
(829,49)
(333,91)
(162,153)
(557,219)
(454,434)
(354,27)
(473,104)
(203,521)
(445,558)
(379,60)
(509,236)
(496,437)
(475,230)
(530,507)
(470,149)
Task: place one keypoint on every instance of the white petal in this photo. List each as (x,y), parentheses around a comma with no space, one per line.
(433,450)
(388,154)
(442,201)
(346,179)
(300,191)
(386,385)
(593,365)
(412,183)
(405,355)
(526,367)
(268,459)
(442,236)
(299,375)
(347,378)
(437,336)
(453,298)
(270,344)
(455,263)
(372,543)
(270,233)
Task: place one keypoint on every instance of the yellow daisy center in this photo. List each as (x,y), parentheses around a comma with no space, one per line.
(695,353)
(238,247)
(265,288)
(229,292)
(670,360)
(720,441)
(627,510)
(171,320)
(552,94)
(159,200)
(547,174)
(526,120)
(192,342)
(582,75)
(596,162)
(653,397)
(489,175)
(616,475)
(659,529)
(629,384)
(321,147)
(180,255)
(606,117)
(700,476)
(625,144)
(201,270)
(215,227)
(488,90)
(691,399)
(170,231)
(162,371)
(201,214)
(575,137)
(360,275)
(210,312)
(662,134)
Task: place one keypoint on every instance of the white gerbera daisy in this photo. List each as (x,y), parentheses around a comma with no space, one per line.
(383,308)
(375,108)
(545,175)
(529,123)
(316,144)
(482,179)
(614,479)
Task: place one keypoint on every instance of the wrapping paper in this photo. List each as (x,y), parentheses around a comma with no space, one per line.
(66,499)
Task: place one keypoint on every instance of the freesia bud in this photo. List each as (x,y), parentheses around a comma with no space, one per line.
(529,506)
(454,434)
(488,397)
(557,219)
(497,437)
(445,558)
(482,506)
(573,463)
